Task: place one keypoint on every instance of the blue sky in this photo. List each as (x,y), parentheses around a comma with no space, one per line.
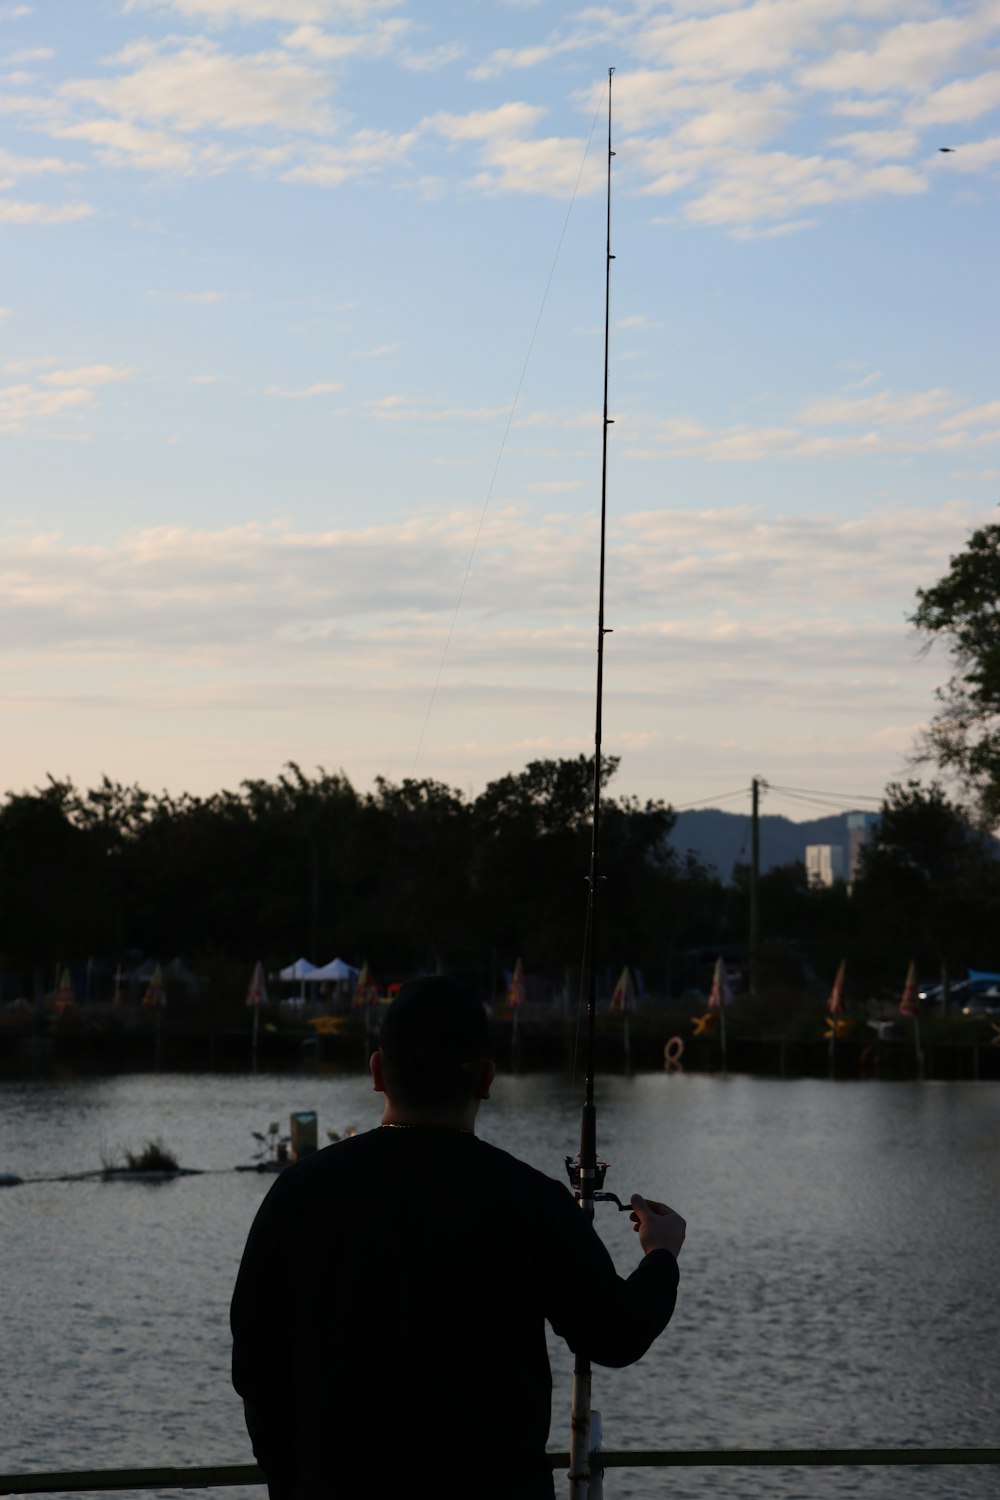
(271,273)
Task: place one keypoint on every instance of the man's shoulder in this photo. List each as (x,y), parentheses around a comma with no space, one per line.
(344,1156)
(523,1173)
(365,1157)
(348,1149)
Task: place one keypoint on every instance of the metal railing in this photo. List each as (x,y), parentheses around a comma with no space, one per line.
(222,1476)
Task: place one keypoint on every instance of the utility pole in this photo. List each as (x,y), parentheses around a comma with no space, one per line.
(755,787)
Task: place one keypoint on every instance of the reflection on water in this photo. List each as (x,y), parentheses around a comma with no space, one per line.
(839,1282)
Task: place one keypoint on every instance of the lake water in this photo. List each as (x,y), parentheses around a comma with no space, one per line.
(839,1284)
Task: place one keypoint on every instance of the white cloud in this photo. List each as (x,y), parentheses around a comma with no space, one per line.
(686,588)
(878,145)
(512,164)
(89,375)
(379,351)
(433,58)
(723,557)
(382,38)
(885,407)
(708,89)
(662,565)
(193,84)
(33,166)
(976,416)
(288,11)
(35,108)
(120,143)
(776,184)
(973,156)
(882,424)
(709,111)
(515,59)
(503,123)
(364,154)
(552,166)
(910,57)
(29,55)
(400,408)
(763,37)
(963,99)
(14,211)
(319,388)
(178,632)
(863,109)
(28,405)
(196,299)
(29,363)
(774,231)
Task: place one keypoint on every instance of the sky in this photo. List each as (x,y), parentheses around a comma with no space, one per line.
(301,361)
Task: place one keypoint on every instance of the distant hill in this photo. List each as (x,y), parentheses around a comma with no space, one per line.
(722,839)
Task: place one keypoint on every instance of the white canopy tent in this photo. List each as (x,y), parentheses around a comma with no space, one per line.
(301,971)
(336,970)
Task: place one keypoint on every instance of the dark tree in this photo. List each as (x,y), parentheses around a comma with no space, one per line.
(417,911)
(47,894)
(929,886)
(963,610)
(531,859)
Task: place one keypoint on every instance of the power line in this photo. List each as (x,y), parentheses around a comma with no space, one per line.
(843,797)
(832,801)
(743,791)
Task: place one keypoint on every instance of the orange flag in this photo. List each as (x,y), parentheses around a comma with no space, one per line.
(365,991)
(721,994)
(835,1004)
(623,999)
(257,991)
(909,1005)
(155,997)
(515,995)
(65,998)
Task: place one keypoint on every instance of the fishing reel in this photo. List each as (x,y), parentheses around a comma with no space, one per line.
(598,1195)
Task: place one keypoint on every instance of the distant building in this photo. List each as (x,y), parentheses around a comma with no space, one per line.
(825,863)
(859,832)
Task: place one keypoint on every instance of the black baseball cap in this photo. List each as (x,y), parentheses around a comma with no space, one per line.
(435,1026)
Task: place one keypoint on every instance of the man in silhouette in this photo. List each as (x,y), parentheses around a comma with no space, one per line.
(389,1315)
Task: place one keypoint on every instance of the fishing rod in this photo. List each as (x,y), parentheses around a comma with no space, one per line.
(586,1171)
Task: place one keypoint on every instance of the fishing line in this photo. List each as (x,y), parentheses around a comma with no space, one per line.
(506,434)
(379,899)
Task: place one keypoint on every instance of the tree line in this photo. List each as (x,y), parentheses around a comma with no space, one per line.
(411,875)
(415,876)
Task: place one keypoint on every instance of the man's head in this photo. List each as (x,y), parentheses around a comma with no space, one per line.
(434,1047)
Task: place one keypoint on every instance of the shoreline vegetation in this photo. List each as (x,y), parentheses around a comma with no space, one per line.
(98,889)
(759,1040)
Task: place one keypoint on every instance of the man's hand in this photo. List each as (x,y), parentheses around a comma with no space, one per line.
(657,1226)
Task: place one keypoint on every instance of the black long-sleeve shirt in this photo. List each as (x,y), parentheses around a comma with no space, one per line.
(392,1299)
